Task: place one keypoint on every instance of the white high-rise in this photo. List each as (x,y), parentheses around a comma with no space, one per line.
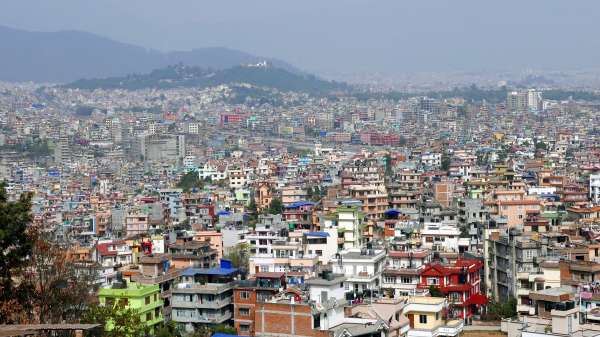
(534,100)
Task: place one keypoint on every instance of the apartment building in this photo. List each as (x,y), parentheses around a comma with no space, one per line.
(204,297)
(362,269)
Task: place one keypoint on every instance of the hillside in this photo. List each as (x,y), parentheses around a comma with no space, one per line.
(186,76)
(65,56)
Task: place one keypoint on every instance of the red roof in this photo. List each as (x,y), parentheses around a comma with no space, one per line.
(103,248)
(436,269)
(479,299)
(269,275)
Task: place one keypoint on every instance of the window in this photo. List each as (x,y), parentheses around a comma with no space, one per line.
(244,312)
(437,316)
(244,327)
(156,312)
(423,319)
(406,280)
(155,297)
(389,279)
(341,284)
(147,299)
(148,316)
(347,286)
(316,321)
(244,295)
(123,301)
(109,301)
(433,280)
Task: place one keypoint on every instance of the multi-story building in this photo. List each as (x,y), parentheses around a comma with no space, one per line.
(349,221)
(374,199)
(460,283)
(362,268)
(507,255)
(204,297)
(442,237)
(145,299)
(401,275)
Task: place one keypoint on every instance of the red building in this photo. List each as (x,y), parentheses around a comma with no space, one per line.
(460,282)
(232,119)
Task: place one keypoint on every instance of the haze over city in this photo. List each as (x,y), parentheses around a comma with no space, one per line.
(299,169)
(344,36)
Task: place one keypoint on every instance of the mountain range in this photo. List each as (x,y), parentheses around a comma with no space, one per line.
(66,56)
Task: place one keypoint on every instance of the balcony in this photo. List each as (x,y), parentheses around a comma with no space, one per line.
(525,309)
(362,277)
(217,304)
(207,288)
(202,318)
(451,328)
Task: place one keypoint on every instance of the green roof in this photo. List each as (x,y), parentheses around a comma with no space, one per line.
(133,290)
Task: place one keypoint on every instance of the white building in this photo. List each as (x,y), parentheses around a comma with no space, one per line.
(534,100)
(595,187)
(440,237)
(362,268)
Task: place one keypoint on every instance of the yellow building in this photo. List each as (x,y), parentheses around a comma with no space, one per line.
(426,318)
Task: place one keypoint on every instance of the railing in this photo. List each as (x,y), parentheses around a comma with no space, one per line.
(187,288)
(451,328)
(201,304)
(197,318)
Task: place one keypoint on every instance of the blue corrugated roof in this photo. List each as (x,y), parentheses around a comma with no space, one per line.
(218,334)
(392,212)
(209,271)
(317,234)
(300,204)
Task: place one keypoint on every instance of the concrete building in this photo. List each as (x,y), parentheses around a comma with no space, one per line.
(204,297)
(426,318)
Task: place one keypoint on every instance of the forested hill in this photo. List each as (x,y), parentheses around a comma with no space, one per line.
(186,76)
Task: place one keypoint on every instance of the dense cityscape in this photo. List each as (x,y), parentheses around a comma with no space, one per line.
(255,199)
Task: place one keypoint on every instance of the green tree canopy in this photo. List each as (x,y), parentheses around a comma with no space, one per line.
(117,320)
(189,181)
(239,255)
(16,246)
(276,206)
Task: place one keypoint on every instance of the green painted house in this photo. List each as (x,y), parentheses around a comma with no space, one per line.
(145,299)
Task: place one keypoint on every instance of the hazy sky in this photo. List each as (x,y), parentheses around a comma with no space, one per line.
(343,35)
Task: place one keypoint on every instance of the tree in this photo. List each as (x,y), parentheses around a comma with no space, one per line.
(498,310)
(309,192)
(435,292)
(189,181)
(59,289)
(117,320)
(168,329)
(239,255)
(16,246)
(445,162)
(276,206)
(541,146)
(222,328)
(388,166)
